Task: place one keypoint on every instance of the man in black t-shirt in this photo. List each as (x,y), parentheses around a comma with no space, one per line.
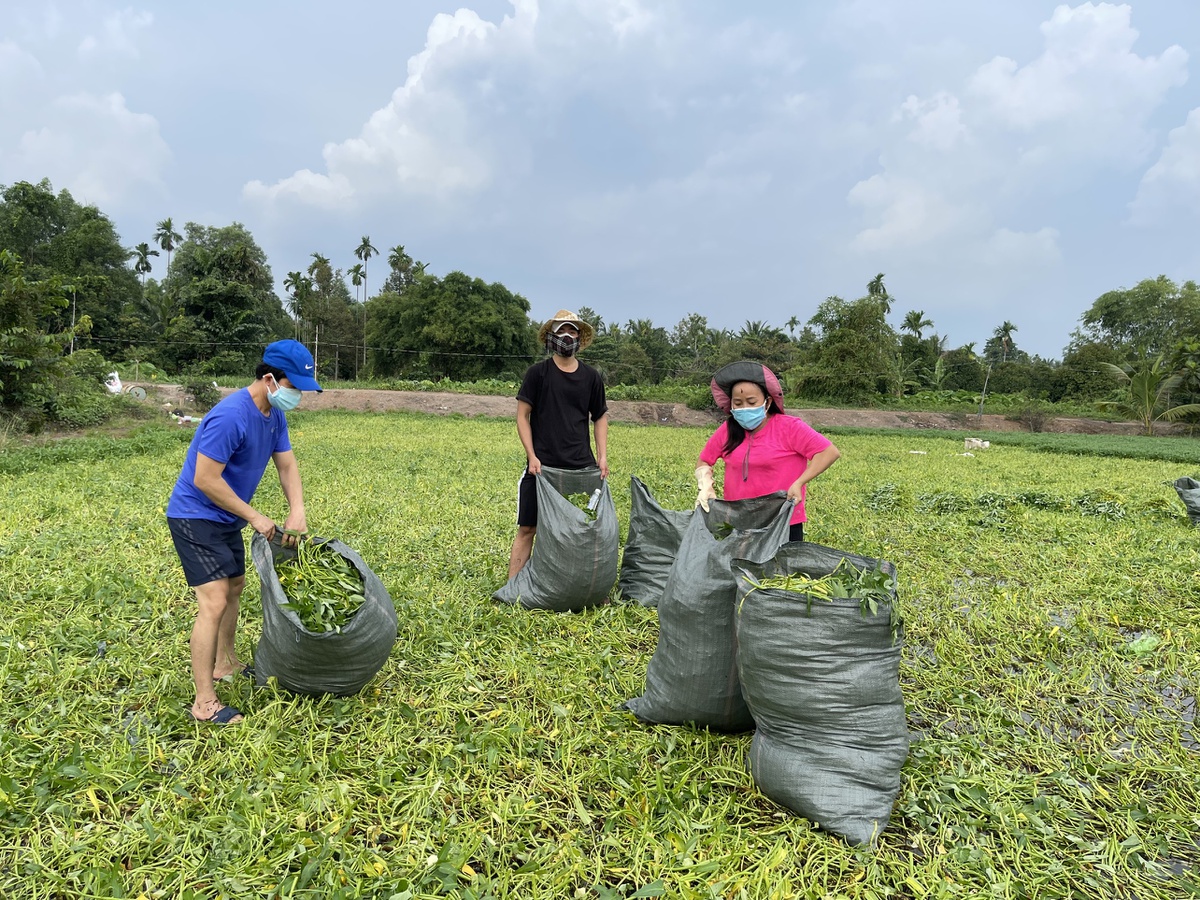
(557,397)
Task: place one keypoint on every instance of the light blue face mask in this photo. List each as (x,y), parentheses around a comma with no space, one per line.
(750,417)
(284,398)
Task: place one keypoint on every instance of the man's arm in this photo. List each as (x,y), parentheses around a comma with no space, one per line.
(208,479)
(600,426)
(525,433)
(293,491)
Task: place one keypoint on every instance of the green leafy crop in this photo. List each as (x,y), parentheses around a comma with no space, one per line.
(322,587)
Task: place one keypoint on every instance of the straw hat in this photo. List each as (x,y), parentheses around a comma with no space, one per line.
(586,332)
(745,370)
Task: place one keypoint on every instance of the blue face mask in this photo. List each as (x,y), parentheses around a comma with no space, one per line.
(284,398)
(750,417)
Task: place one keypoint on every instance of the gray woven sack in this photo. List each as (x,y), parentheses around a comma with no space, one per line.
(651,547)
(822,681)
(692,678)
(308,662)
(574,561)
(1189,492)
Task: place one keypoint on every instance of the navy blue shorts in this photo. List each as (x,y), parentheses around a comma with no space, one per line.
(208,550)
(527,507)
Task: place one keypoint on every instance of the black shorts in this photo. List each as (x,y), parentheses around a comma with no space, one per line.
(208,550)
(527,508)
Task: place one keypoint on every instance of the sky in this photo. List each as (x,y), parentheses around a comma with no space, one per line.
(995,159)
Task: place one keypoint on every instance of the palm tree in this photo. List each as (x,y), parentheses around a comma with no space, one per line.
(877,289)
(915,321)
(1148,394)
(364,252)
(320,269)
(167,238)
(141,265)
(299,286)
(791,324)
(1004,335)
(357,276)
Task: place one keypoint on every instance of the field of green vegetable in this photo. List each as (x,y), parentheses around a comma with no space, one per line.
(1050,674)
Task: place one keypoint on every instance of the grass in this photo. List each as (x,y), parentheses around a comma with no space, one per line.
(1056,754)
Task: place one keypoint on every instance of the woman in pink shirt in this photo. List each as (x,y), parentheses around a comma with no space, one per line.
(765,450)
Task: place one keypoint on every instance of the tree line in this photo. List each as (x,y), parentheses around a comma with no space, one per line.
(70,286)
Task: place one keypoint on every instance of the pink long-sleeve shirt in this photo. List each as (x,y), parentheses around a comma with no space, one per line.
(778,453)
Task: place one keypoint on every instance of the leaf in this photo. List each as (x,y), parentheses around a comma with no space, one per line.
(1143,645)
(656,888)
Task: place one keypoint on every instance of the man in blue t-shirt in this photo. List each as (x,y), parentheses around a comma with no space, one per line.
(210,506)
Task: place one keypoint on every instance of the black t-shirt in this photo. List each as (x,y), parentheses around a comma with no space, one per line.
(562,402)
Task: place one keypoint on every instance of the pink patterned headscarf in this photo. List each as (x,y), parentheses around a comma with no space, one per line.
(745,370)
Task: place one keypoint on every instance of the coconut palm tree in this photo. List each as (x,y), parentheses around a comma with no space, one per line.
(877,289)
(298,286)
(1148,388)
(364,252)
(915,322)
(357,277)
(141,263)
(1004,334)
(167,238)
(791,324)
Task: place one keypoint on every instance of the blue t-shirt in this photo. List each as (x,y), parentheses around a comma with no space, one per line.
(236,433)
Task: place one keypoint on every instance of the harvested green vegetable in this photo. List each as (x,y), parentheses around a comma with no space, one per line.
(322,587)
(582,501)
(869,586)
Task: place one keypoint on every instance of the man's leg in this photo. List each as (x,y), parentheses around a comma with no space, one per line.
(522,549)
(527,519)
(212,602)
(226,660)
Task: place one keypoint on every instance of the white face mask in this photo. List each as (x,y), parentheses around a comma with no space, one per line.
(283,398)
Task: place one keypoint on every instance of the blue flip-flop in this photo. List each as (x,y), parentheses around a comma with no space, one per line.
(221,716)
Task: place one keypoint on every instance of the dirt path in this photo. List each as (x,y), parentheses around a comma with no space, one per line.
(648,413)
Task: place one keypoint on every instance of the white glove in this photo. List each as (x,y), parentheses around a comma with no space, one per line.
(704,478)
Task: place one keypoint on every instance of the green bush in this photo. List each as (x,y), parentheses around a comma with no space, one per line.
(78,401)
(203,393)
(89,365)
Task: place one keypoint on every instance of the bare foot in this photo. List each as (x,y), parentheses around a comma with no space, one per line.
(236,667)
(216,712)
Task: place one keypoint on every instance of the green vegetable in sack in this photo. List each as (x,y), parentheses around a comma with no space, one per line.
(322,587)
(583,502)
(869,586)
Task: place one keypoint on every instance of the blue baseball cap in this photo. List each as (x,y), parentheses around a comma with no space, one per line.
(293,360)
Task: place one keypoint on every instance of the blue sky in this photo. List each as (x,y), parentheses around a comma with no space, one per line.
(997,160)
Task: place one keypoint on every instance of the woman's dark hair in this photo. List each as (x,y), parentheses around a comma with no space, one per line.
(735,433)
(264,369)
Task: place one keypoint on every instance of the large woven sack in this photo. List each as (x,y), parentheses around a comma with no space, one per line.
(574,561)
(692,678)
(821,678)
(651,546)
(1189,492)
(308,662)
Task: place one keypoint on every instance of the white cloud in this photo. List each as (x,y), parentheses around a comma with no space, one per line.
(1013,135)
(96,147)
(1088,81)
(1173,182)
(118,35)
(939,121)
(463,117)
(17,67)
(1006,249)
(906,212)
